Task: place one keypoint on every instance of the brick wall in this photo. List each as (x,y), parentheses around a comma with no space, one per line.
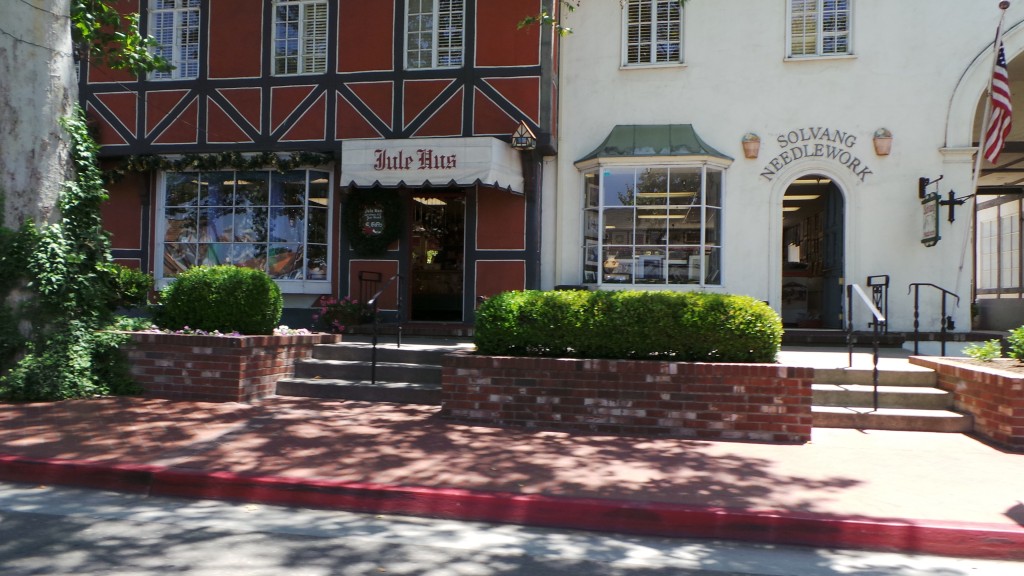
(216,368)
(993,397)
(758,402)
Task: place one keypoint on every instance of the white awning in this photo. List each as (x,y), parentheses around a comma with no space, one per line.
(431,162)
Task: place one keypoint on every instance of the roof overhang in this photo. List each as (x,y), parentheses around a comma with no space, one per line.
(431,162)
(635,144)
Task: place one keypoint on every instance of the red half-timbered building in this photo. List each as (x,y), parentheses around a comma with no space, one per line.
(335,144)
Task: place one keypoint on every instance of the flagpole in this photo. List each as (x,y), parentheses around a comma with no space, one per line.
(1003,6)
(988,100)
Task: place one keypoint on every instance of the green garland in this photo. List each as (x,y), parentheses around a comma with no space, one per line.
(391,211)
(222,160)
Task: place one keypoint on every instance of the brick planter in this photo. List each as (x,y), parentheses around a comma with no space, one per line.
(756,402)
(216,368)
(995,398)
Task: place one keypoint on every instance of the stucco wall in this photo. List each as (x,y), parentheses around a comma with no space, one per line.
(911,60)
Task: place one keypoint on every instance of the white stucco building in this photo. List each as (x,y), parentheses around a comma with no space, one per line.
(656,191)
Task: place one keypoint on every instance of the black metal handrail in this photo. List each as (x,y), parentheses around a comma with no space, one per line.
(376,322)
(877,323)
(946,322)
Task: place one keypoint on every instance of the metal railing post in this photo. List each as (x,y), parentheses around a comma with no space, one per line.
(877,322)
(376,323)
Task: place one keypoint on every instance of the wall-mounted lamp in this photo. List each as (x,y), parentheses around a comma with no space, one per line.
(883,142)
(523,138)
(751,145)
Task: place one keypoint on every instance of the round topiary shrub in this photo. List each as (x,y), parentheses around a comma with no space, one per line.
(222,298)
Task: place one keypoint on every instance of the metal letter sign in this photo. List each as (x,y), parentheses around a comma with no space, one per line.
(930,234)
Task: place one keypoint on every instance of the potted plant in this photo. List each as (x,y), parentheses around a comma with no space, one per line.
(335,314)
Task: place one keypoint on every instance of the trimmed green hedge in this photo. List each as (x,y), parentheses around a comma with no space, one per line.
(679,326)
(223,298)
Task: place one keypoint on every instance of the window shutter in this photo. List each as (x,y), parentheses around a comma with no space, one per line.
(314,38)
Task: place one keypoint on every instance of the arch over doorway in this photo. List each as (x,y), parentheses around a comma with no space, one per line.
(960,128)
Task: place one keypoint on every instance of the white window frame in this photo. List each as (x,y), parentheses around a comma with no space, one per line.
(178,19)
(287,285)
(439,34)
(311,45)
(817,13)
(654,30)
(602,278)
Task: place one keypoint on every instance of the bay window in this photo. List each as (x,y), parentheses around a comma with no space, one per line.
(653,225)
(272,221)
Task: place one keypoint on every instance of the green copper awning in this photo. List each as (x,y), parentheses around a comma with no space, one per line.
(641,140)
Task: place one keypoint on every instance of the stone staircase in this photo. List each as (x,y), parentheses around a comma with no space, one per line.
(411,374)
(907,400)
(406,374)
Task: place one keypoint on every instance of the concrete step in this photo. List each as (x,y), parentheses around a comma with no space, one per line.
(891,419)
(354,370)
(910,377)
(362,351)
(396,392)
(862,395)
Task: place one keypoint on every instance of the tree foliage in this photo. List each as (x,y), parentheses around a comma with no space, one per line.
(545,18)
(71,280)
(101,33)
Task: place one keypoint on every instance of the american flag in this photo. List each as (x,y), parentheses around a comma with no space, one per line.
(1001,111)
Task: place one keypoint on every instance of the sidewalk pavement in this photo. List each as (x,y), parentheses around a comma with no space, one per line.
(903,491)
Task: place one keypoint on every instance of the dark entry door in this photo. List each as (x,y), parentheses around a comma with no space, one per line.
(832,260)
(437,255)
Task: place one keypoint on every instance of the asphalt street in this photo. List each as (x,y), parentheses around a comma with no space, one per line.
(58,531)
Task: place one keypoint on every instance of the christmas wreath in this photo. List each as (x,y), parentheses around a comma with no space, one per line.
(372,220)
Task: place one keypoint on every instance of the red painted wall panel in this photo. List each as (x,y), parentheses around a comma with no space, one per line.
(98,72)
(494,277)
(235,41)
(501,220)
(386,268)
(499,41)
(122,212)
(365,29)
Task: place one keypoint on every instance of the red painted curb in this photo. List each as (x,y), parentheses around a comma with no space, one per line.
(622,516)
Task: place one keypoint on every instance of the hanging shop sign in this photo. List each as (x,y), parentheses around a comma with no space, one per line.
(818,142)
(930,231)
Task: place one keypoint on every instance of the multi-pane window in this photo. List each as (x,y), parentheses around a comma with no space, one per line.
(999,247)
(819,27)
(264,219)
(434,33)
(654,32)
(656,225)
(174,24)
(300,37)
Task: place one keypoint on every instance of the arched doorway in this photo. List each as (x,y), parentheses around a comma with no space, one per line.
(812,256)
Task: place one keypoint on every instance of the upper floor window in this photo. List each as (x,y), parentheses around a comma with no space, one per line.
(819,27)
(300,36)
(434,32)
(654,32)
(175,26)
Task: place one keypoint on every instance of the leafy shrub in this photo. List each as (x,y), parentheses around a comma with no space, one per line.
(130,287)
(1016,340)
(687,326)
(986,351)
(223,298)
